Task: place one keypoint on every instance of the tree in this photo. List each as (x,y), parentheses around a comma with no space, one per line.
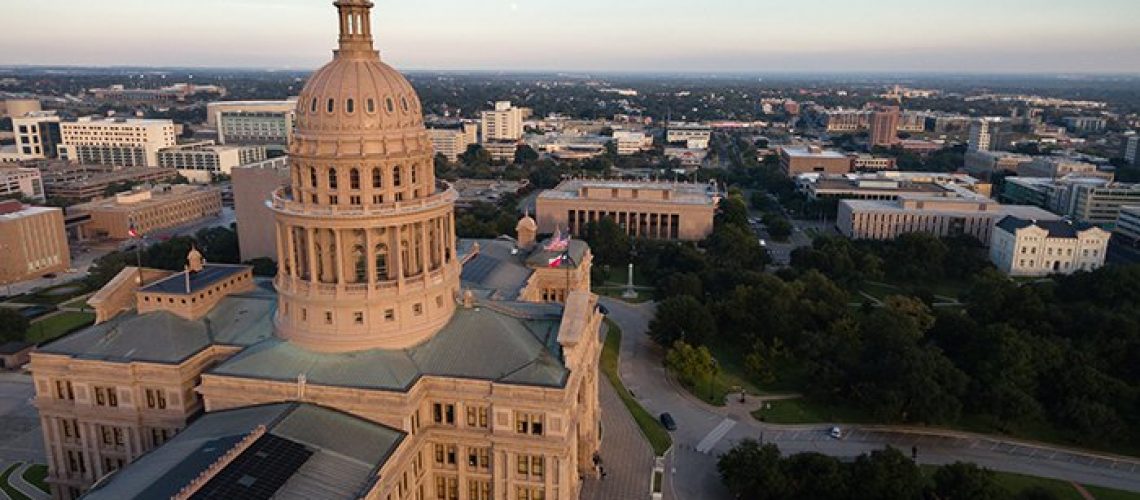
(963,481)
(525,155)
(778,227)
(752,471)
(218,244)
(608,242)
(475,156)
(885,475)
(693,365)
(264,267)
(682,318)
(732,211)
(443,168)
(13,325)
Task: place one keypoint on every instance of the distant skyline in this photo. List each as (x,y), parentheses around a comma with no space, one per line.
(982,36)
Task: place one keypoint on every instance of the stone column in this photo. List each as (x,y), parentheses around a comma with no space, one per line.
(370,261)
(281,267)
(396,254)
(311,237)
(292,253)
(339,256)
(425,252)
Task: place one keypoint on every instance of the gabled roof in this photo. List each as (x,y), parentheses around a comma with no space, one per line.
(1055,228)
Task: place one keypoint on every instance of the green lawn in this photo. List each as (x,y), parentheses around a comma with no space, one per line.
(804,411)
(80,303)
(53,327)
(658,437)
(53,296)
(36,475)
(1017,483)
(1109,494)
(8,489)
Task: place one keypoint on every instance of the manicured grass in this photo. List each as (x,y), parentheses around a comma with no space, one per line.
(1016,483)
(658,437)
(80,303)
(804,411)
(1109,494)
(61,324)
(615,292)
(7,488)
(36,475)
(53,296)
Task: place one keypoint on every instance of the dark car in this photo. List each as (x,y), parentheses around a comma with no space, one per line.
(668,422)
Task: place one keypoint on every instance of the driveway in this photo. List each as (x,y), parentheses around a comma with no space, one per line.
(704,432)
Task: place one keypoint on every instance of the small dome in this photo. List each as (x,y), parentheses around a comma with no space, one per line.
(527,223)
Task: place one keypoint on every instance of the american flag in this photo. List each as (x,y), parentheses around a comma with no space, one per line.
(559,242)
(133,231)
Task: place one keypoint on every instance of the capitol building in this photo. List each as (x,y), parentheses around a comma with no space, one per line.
(387,360)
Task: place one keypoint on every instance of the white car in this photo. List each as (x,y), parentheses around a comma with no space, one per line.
(836,433)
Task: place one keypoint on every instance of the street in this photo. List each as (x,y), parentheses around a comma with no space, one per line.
(704,432)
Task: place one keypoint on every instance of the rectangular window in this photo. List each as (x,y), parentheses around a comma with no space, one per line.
(477,416)
(328,317)
(106,396)
(443,414)
(156,399)
(63,390)
(358,317)
(528,423)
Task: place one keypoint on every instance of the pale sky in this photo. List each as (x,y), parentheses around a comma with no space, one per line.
(595,35)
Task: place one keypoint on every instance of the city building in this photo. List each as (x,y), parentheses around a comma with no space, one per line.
(149,209)
(562,146)
(37,135)
(82,183)
(178,92)
(1059,166)
(202,162)
(505,123)
(503,151)
(940,216)
(252,185)
(267,123)
(452,141)
(692,135)
(388,360)
(890,186)
(644,209)
(15,107)
(472,191)
(22,182)
(921,147)
(32,242)
(796,160)
(1093,200)
(869,163)
(1086,124)
(847,120)
(690,158)
(983,164)
(630,143)
(1128,224)
(913,122)
(120,142)
(885,127)
(1034,248)
(984,134)
(1131,149)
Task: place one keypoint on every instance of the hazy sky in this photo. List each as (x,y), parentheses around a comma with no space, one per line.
(624,35)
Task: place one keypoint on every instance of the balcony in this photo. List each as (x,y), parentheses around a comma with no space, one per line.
(300,286)
(283,202)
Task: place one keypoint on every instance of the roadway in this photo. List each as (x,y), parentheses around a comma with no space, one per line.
(704,432)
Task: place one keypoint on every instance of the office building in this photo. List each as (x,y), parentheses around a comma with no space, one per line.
(869,163)
(452,141)
(32,242)
(885,127)
(1086,124)
(890,186)
(201,163)
(629,143)
(267,123)
(502,151)
(1093,200)
(22,182)
(984,134)
(692,135)
(391,361)
(1059,166)
(1132,149)
(504,124)
(913,122)
(1034,248)
(983,164)
(1128,224)
(936,215)
(796,160)
(120,142)
(82,183)
(848,121)
(149,210)
(644,209)
(178,92)
(37,135)
(253,184)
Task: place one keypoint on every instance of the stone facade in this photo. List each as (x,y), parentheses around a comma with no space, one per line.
(653,210)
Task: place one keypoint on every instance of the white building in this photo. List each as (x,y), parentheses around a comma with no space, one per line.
(505,123)
(201,162)
(26,182)
(630,143)
(1026,247)
(120,142)
(1131,148)
(253,122)
(453,141)
(692,135)
(983,134)
(37,135)
(941,216)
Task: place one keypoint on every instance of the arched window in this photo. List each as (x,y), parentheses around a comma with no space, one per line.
(391,105)
(360,266)
(313,107)
(396,176)
(381,262)
(377,178)
(414,176)
(371,105)
(354,178)
(313,177)
(350,106)
(332,105)
(332,178)
(404,103)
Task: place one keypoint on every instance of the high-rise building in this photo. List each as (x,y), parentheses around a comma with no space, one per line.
(37,135)
(452,141)
(1132,149)
(201,163)
(253,184)
(505,123)
(120,142)
(885,127)
(268,123)
(392,360)
(983,134)
(32,242)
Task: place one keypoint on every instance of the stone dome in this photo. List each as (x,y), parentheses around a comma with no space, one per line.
(527,223)
(362,94)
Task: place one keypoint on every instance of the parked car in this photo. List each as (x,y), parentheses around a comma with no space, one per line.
(836,433)
(668,422)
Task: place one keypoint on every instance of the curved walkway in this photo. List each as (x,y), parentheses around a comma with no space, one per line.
(705,431)
(16,480)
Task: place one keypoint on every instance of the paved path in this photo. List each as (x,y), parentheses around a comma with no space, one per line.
(16,480)
(700,437)
(20,437)
(626,454)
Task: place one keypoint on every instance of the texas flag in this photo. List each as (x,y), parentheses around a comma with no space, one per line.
(558,261)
